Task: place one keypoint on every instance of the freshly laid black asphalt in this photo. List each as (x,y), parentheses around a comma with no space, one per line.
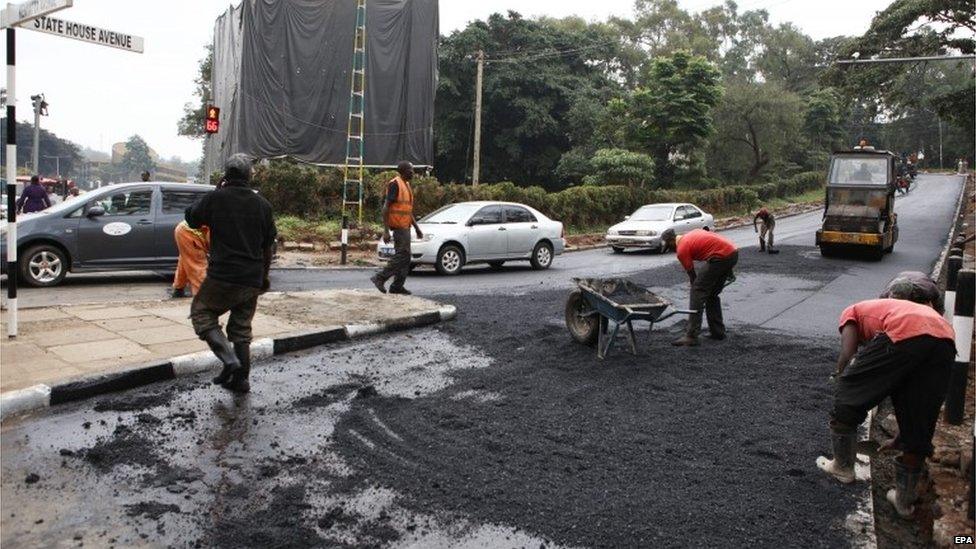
(494,430)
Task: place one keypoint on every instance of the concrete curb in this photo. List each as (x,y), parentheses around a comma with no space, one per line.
(43,396)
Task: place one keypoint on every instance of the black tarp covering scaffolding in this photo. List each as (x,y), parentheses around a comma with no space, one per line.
(282,78)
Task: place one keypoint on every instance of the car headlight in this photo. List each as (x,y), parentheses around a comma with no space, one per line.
(646,233)
(612,232)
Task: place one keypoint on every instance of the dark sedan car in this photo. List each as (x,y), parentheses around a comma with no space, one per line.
(116,228)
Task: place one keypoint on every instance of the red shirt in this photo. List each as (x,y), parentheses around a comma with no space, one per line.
(702,245)
(898,318)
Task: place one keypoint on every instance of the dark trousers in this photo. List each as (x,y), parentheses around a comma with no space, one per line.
(766,231)
(913,372)
(398,266)
(704,295)
(216,298)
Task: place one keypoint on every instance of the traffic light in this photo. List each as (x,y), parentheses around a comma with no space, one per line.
(40,105)
(213,119)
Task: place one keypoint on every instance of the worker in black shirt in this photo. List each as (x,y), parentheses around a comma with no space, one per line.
(242,233)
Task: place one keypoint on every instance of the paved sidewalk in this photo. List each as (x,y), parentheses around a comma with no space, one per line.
(57,344)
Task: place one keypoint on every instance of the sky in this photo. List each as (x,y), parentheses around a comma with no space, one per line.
(99,96)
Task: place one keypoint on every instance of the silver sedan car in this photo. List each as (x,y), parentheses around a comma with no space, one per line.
(483,232)
(642,229)
(116,228)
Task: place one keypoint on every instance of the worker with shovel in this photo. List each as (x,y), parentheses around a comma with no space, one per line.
(907,350)
(765,230)
(720,256)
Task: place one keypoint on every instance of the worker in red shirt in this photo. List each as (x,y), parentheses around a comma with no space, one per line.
(906,352)
(766,230)
(720,256)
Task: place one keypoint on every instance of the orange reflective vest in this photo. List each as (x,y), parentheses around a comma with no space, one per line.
(401,212)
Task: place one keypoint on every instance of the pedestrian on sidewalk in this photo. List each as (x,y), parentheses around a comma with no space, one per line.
(34,197)
(766,229)
(906,352)
(398,218)
(720,256)
(191,267)
(242,233)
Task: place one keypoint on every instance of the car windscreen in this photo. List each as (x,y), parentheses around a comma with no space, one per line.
(652,213)
(859,170)
(452,214)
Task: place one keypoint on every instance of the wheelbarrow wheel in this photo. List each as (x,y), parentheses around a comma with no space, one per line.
(583,322)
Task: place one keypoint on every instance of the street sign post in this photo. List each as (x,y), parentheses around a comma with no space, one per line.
(86,33)
(15,14)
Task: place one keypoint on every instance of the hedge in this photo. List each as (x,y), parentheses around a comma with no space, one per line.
(311,192)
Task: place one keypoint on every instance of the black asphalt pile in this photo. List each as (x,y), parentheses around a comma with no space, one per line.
(712,445)
(151,509)
(125,446)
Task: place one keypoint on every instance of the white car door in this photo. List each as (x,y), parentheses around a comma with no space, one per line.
(487,234)
(523,230)
(682,224)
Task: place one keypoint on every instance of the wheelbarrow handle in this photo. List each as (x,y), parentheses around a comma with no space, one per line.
(673,312)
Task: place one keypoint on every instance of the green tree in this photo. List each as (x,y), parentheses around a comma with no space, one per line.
(758,125)
(620,167)
(823,119)
(545,84)
(789,58)
(137,158)
(195,113)
(671,113)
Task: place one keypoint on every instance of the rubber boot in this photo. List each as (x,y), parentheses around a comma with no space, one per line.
(903,495)
(842,466)
(239,381)
(762,244)
(222,348)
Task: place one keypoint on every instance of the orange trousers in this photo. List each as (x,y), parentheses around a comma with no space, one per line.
(192,265)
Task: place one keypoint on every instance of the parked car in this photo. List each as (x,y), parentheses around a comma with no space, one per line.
(115,228)
(483,232)
(642,229)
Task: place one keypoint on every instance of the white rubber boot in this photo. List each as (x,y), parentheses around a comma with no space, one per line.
(842,466)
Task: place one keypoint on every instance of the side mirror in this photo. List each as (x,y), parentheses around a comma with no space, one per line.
(475,221)
(95,211)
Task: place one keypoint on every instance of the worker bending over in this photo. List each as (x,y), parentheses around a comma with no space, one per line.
(906,350)
(766,229)
(191,265)
(720,256)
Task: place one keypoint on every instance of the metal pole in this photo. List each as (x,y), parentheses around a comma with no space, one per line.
(962,324)
(940,143)
(953,264)
(907,59)
(476,170)
(11,185)
(344,238)
(35,154)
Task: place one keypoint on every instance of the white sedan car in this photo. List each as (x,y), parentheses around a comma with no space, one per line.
(483,232)
(642,229)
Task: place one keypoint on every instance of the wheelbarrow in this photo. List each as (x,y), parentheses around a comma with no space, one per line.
(597,302)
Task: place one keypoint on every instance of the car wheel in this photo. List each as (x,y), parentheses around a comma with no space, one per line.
(583,324)
(496,264)
(541,256)
(617,249)
(706,228)
(43,266)
(450,260)
(829,250)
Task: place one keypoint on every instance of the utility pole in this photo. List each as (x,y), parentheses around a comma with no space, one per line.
(940,142)
(476,171)
(40,108)
(11,184)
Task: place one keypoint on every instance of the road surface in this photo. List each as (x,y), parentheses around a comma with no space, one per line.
(494,430)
